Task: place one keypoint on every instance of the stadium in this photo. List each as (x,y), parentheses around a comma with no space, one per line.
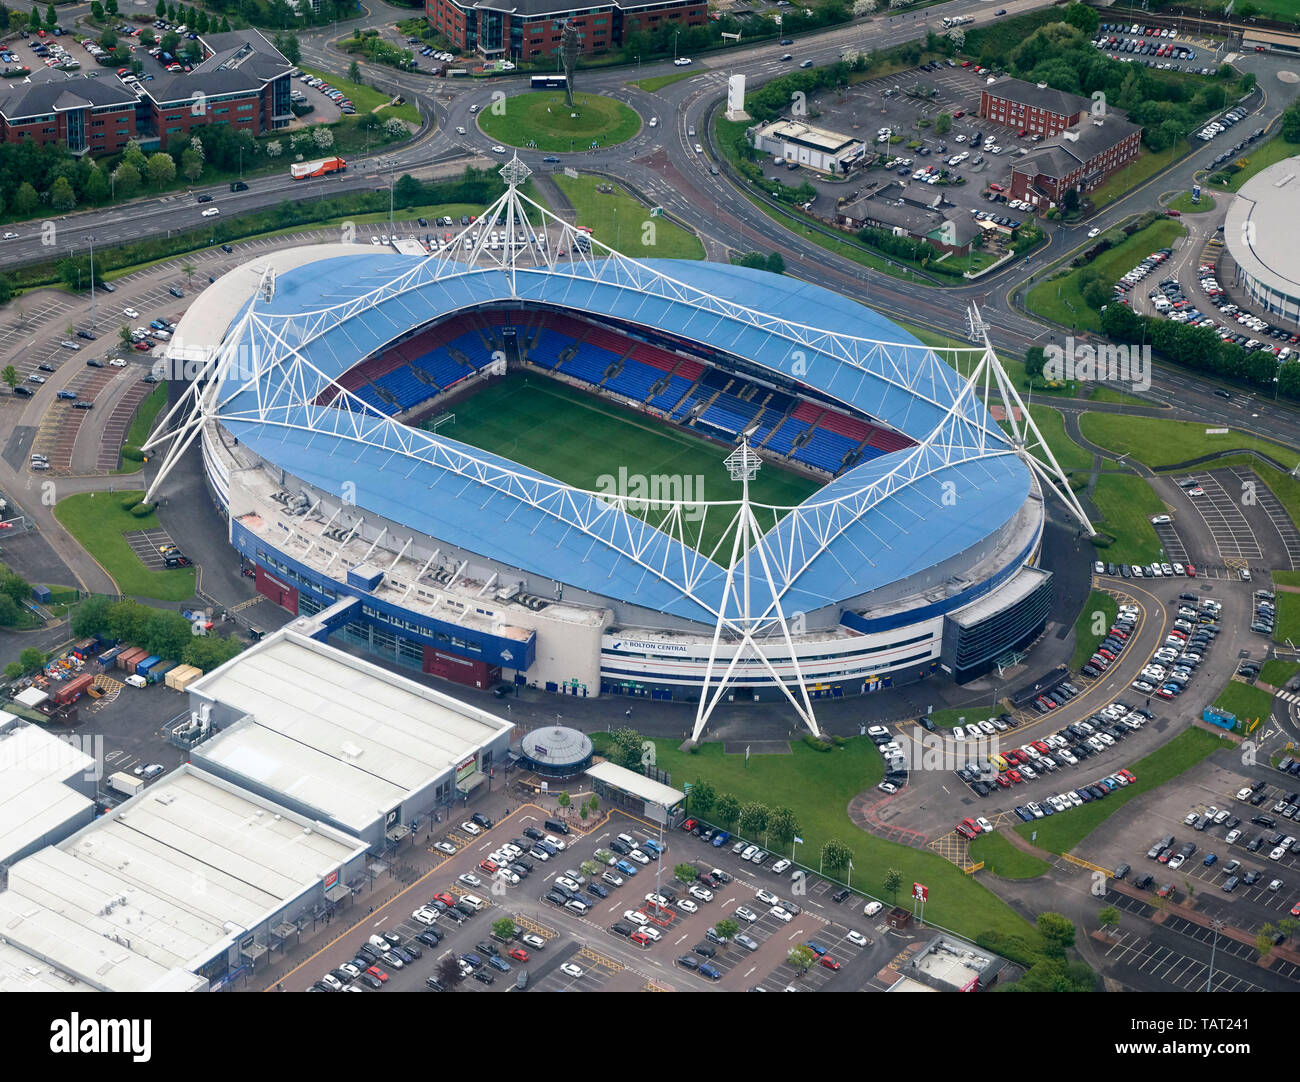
(1262,236)
(523,457)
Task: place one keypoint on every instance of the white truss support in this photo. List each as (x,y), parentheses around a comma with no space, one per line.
(374,545)
(328,523)
(396,558)
(411,585)
(457,574)
(347,538)
(492,581)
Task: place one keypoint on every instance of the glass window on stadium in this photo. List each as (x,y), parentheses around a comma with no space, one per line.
(976,648)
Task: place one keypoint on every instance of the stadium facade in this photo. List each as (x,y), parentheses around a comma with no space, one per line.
(917,555)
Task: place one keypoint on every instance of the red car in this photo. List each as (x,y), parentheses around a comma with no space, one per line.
(1295,910)
(997,187)
(377,973)
(445,898)
(1040,746)
(830,962)
(966,63)
(519,954)
(1002,781)
(1128,776)
(967,829)
(689,825)
(143,346)
(1014,775)
(1174,213)
(1191,571)
(639,937)
(488,866)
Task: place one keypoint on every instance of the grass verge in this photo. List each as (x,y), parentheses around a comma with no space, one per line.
(542,119)
(98,522)
(1277,672)
(1287,625)
(1003,859)
(1126,504)
(1245,701)
(1184,205)
(1161,441)
(1086,635)
(1063,831)
(1139,171)
(1270,153)
(622,222)
(367,99)
(142,425)
(658,82)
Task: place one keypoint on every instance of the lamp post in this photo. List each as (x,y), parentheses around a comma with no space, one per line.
(93,321)
(675,34)
(1217,925)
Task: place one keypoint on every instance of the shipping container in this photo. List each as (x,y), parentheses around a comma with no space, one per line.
(128,658)
(109,656)
(182,676)
(86,648)
(72,690)
(124,783)
(143,666)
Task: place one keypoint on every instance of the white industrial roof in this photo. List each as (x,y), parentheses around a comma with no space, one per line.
(34,800)
(20,972)
(165,883)
(1263,230)
(345,736)
(631,782)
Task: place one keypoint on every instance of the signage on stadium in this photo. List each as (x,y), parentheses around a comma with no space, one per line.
(659,647)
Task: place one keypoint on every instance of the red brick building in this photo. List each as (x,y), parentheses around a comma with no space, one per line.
(244,82)
(1036,109)
(531,29)
(1078,159)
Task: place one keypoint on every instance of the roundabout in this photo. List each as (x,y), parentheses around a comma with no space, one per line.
(541,120)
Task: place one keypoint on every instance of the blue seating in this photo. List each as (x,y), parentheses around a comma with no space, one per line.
(666,399)
(784,437)
(825,450)
(635,380)
(589,363)
(729,413)
(550,345)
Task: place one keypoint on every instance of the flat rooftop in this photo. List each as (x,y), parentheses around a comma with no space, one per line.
(34,799)
(823,139)
(143,896)
(952,962)
(336,732)
(631,782)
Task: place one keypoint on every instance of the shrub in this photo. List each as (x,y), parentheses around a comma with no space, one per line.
(142,510)
(815,744)
(132,454)
(130,499)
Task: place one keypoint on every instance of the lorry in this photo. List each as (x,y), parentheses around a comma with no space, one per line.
(124,783)
(321,167)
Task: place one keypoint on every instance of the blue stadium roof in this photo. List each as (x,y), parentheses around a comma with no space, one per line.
(912,529)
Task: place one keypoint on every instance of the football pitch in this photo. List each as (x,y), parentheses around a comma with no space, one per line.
(595,445)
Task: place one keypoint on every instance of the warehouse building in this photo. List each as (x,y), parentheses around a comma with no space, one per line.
(339,739)
(47,788)
(817,148)
(184,887)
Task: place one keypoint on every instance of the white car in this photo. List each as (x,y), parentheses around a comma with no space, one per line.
(871,909)
(551,839)
(746,914)
(654,122)
(570,970)
(699,149)
(638,856)
(657,900)
(958,733)
(1232,836)
(700,893)
(633,916)
(472,829)
(498,149)
(11,236)
(469,879)
(1277,853)
(687,906)
(652,933)
(130,313)
(332,982)
(532,940)
(425,915)
(856,938)
(612,878)
(460,131)
(117,362)
(507,876)
(445,847)
(780,866)
(780,914)
(766,897)
(682,61)
(748,852)
(984,824)
(567,883)
(1160,520)
(1094,231)
(211,212)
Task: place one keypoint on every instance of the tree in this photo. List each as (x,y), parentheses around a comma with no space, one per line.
(191,165)
(775,264)
(162,169)
(703,796)
(1264,940)
(943,124)
(754,261)
(323,137)
(802,958)
(753,818)
(625,748)
(1291,123)
(504,928)
(588,867)
(782,825)
(96,187)
(97,11)
(1082,17)
(1108,918)
(582,812)
(892,881)
(13,670)
(449,971)
(160,9)
(564,800)
(836,855)
(34,23)
(1035,359)
(31,659)
(124,335)
(51,16)
(685,874)
(188,269)
(593,803)
(111,7)
(126,180)
(1057,931)
(10,376)
(727,928)
(26,200)
(354,72)
(90,617)
(62,196)
(727,811)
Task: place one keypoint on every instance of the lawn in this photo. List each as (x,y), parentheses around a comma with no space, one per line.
(1287,626)
(962,715)
(586,442)
(1126,504)
(1003,859)
(1059,299)
(1108,394)
(540,119)
(1183,203)
(98,522)
(1135,173)
(658,82)
(1086,636)
(142,425)
(817,787)
(624,223)
(1277,672)
(1160,441)
(365,98)
(1275,150)
(1246,702)
(1063,831)
(1051,423)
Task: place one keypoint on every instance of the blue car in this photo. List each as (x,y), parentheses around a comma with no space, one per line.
(1025,814)
(598,890)
(652,847)
(471,960)
(66,394)
(499,965)
(815,947)
(1047,808)
(1083,795)
(709,971)
(720,839)
(626,868)
(1210,858)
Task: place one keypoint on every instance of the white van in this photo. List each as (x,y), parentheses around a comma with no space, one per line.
(474,902)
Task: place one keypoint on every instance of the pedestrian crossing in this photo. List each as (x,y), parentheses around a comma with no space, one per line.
(1289,696)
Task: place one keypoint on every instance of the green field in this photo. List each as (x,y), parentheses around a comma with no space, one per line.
(366,98)
(1059,299)
(623,223)
(1277,672)
(1086,637)
(1287,625)
(1244,701)
(585,442)
(1183,203)
(658,82)
(1107,394)
(542,119)
(1137,172)
(1003,859)
(1051,423)
(1275,150)
(1063,831)
(143,424)
(98,522)
(817,787)
(1126,504)
(1160,441)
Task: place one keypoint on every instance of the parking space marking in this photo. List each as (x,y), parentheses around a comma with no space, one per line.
(1276,513)
(1232,534)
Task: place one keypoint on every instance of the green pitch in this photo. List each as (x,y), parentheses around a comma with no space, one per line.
(590,444)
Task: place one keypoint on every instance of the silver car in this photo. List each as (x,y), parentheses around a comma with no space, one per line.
(746,942)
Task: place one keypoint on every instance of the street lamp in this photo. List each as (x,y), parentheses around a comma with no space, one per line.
(675,33)
(93,322)
(1217,925)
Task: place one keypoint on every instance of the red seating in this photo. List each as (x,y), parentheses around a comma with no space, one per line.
(845,426)
(689,369)
(889,441)
(806,411)
(656,358)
